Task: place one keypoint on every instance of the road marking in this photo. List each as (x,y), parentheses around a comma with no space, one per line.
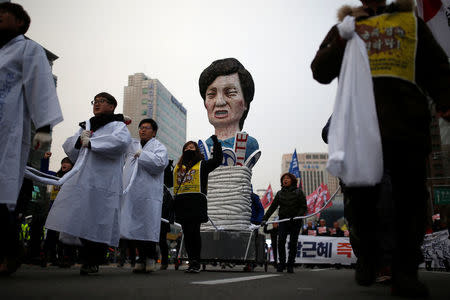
(318,270)
(230,280)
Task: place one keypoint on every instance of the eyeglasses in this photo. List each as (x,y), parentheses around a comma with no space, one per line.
(145,127)
(99,101)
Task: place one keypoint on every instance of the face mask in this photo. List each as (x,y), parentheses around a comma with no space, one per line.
(188,155)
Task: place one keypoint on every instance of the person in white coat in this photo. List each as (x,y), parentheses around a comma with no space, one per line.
(87,206)
(140,216)
(27,94)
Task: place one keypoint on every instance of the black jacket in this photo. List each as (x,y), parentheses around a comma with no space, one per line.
(292,203)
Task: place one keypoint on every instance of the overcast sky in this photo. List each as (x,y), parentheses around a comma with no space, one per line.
(101,42)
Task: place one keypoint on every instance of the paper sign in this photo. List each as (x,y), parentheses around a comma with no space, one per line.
(240,146)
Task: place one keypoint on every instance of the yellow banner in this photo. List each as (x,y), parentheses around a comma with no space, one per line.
(191,180)
(391,42)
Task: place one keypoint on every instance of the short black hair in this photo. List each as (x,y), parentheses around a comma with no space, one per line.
(152,122)
(66,160)
(18,12)
(228,66)
(109,98)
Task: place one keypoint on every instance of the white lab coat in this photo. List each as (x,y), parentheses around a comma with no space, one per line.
(87,206)
(140,215)
(27,93)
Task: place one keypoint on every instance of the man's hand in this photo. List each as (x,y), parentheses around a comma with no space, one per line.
(85,138)
(138,153)
(126,120)
(347,28)
(41,139)
(444,115)
(47,155)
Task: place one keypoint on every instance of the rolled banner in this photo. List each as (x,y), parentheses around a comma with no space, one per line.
(229,157)
(252,159)
(203,149)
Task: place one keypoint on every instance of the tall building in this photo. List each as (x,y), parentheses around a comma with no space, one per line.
(312,170)
(148,98)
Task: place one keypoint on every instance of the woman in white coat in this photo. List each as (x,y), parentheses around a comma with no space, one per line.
(140,216)
(88,203)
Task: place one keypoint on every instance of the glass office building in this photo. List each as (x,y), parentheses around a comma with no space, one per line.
(149,98)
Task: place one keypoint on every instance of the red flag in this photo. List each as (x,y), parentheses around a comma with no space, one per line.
(436,14)
(317,199)
(267,199)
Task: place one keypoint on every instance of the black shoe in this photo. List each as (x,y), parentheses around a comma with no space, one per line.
(365,271)
(280,268)
(409,288)
(88,269)
(290,269)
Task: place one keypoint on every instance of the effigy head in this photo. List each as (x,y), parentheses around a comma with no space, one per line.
(227,89)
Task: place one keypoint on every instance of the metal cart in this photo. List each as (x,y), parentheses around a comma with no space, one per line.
(230,248)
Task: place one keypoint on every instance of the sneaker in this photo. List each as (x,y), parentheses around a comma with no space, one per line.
(188,270)
(88,269)
(150,265)
(139,268)
(195,269)
(384,276)
(164,267)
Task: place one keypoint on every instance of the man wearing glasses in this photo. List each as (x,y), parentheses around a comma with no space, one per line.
(140,215)
(88,204)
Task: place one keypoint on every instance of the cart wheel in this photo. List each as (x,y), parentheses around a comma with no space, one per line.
(204,267)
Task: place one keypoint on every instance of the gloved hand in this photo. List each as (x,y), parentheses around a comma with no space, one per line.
(41,139)
(85,137)
(214,138)
(138,153)
(347,28)
(127,120)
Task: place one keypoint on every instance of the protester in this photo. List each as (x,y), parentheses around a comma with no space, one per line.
(140,215)
(190,186)
(54,251)
(309,229)
(31,97)
(404,120)
(292,203)
(273,241)
(336,231)
(322,229)
(88,203)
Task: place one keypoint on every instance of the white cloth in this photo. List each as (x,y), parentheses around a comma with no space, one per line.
(355,152)
(140,214)
(27,94)
(87,206)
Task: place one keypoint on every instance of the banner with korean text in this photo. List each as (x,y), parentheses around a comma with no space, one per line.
(324,250)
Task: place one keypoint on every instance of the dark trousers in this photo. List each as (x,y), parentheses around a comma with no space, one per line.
(92,253)
(192,240)
(9,232)
(165,228)
(146,249)
(377,219)
(130,246)
(291,228)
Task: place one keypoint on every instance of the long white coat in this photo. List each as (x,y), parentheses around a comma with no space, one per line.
(27,93)
(140,216)
(87,205)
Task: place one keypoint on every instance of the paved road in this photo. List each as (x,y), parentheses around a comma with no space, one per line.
(32,282)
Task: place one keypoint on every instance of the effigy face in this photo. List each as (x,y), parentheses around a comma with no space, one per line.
(225,105)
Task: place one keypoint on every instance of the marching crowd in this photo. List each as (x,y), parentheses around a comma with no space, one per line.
(112,187)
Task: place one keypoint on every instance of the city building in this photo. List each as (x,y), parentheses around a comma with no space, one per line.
(148,98)
(312,170)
